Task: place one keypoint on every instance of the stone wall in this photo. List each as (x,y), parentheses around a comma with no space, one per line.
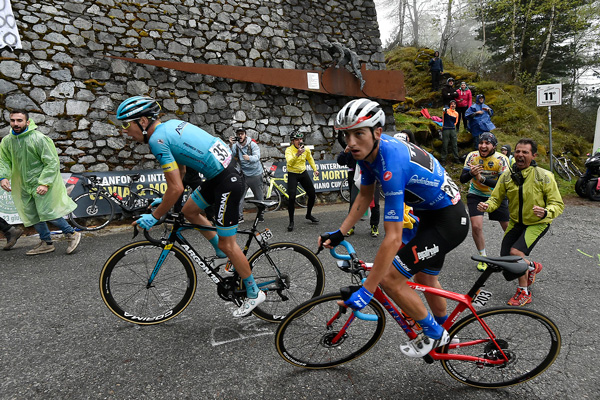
(64,78)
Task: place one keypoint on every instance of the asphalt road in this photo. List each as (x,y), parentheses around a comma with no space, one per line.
(58,339)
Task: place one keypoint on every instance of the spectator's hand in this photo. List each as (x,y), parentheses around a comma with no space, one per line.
(246,157)
(540,212)
(476,169)
(482,206)
(300,151)
(5,184)
(42,190)
(231,140)
(316,173)
(479,112)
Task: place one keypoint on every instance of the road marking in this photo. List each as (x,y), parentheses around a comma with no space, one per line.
(585,254)
(247,328)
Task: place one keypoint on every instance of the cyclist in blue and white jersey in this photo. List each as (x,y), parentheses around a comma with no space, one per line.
(178,144)
(408,174)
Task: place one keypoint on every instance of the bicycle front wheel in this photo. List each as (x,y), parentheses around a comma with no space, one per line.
(127,291)
(301,197)
(94,211)
(310,336)
(559,168)
(289,274)
(530,340)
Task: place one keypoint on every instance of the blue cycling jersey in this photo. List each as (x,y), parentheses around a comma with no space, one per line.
(178,142)
(408,174)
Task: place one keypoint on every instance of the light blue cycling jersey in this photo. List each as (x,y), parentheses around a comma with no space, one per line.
(179,142)
(408,174)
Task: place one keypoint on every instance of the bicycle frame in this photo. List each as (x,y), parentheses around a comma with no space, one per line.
(465,301)
(176,236)
(282,189)
(129,206)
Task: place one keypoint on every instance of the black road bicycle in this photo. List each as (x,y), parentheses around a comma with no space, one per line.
(96,207)
(151,281)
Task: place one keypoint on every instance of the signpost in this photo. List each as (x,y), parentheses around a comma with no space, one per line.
(549,95)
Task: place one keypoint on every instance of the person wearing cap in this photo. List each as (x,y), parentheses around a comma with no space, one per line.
(482,169)
(408,175)
(296,156)
(449,92)
(480,119)
(534,201)
(507,151)
(176,145)
(247,152)
(449,132)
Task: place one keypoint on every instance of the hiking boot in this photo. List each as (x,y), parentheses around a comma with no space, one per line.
(249,304)
(374,231)
(520,298)
(12,235)
(422,345)
(41,248)
(537,268)
(481,266)
(73,239)
(291,226)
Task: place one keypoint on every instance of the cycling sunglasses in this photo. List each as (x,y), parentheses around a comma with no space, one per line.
(127,123)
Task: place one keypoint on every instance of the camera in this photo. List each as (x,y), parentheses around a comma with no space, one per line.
(236,139)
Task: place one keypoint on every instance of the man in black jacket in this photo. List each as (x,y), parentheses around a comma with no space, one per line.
(449,92)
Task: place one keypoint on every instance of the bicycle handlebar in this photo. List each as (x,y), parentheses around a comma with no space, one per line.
(348,248)
(365,317)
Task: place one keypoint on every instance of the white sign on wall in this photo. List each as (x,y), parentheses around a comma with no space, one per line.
(549,95)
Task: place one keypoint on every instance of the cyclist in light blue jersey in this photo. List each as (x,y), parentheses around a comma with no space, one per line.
(408,174)
(178,144)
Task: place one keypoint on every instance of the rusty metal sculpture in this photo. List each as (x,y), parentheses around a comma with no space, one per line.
(346,57)
(386,85)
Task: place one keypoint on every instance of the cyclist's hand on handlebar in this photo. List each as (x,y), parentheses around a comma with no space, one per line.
(156,202)
(359,299)
(331,239)
(146,221)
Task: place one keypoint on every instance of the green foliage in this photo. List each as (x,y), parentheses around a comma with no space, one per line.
(516,114)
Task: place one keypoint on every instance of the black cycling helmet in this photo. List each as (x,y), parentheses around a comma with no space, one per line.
(137,107)
(489,136)
(296,135)
(450,80)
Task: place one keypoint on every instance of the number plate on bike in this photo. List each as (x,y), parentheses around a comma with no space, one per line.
(266,234)
(482,298)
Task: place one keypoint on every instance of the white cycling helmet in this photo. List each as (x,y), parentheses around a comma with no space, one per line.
(359,113)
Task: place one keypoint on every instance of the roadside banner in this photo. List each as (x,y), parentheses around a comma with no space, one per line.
(9,34)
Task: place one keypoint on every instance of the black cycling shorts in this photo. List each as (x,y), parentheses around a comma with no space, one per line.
(224,192)
(501,214)
(439,232)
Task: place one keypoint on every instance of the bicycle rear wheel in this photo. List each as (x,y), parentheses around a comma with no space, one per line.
(305,338)
(560,169)
(275,196)
(345,190)
(94,211)
(125,287)
(289,274)
(530,340)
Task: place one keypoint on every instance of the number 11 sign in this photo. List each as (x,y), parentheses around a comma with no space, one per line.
(549,95)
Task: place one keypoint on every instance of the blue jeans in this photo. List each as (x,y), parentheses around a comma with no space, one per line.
(60,223)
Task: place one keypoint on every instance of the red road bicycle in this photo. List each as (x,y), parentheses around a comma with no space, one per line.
(490,348)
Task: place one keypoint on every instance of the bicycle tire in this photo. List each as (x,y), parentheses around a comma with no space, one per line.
(275,196)
(303,339)
(299,277)
(301,197)
(530,339)
(86,217)
(581,187)
(574,170)
(592,193)
(124,283)
(345,190)
(560,169)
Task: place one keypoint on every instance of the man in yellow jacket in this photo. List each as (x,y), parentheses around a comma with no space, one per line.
(296,157)
(533,203)
(29,168)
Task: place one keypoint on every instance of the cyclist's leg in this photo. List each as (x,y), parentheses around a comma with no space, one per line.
(193,212)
